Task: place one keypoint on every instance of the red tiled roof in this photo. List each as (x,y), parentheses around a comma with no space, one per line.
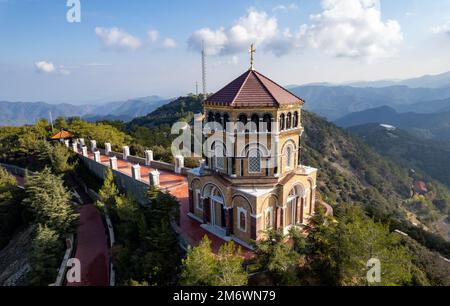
(253,89)
(62,135)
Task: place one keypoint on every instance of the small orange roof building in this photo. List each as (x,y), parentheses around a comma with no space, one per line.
(63,134)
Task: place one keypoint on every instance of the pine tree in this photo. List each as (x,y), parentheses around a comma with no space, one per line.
(199,265)
(230,271)
(108,193)
(49,202)
(45,256)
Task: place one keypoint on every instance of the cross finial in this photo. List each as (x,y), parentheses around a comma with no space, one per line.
(252,52)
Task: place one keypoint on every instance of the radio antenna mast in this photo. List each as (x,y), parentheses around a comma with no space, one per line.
(204,69)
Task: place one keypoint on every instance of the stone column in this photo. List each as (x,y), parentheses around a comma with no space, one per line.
(75,147)
(93,145)
(298,210)
(179,163)
(81,142)
(107,149)
(67,143)
(85,151)
(136,172)
(229,221)
(97,157)
(148,157)
(154,178)
(126,152)
(113,163)
(191,201)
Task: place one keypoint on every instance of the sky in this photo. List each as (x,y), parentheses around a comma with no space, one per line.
(126,49)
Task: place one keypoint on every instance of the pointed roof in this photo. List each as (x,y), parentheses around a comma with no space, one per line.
(63,134)
(253,89)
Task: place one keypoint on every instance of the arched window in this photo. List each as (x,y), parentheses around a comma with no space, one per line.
(210,117)
(254,161)
(295,119)
(289,157)
(267,120)
(218,118)
(242,119)
(255,123)
(288,121)
(282,117)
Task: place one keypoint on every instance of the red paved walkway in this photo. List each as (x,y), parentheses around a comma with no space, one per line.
(92,246)
(177,185)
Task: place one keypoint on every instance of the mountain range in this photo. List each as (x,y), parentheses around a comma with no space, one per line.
(428,126)
(20,113)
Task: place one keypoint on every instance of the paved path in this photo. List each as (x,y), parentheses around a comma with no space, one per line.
(177,185)
(92,245)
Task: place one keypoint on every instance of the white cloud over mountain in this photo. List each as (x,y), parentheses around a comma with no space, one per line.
(117,39)
(344,28)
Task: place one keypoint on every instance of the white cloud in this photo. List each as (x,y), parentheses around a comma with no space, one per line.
(352,28)
(344,28)
(285,8)
(441,29)
(153,35)
(44,67)
(117,39)
(169,43)
(47,67)
(256,27)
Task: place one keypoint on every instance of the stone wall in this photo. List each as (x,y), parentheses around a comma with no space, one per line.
(136,189)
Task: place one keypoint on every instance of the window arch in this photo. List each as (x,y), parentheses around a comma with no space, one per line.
(243,120)
(267,120)
(254,161)
(295,120)
(282,119)
(255,121)
(218,118)
(288,121)
(210,117)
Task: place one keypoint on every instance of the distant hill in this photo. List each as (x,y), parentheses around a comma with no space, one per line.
(334,102)
(430,157)
(181,109)
(431,126)
(20,113)
(426,107)
(427,81)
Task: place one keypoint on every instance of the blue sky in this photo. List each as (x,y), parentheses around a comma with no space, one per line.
(125,49)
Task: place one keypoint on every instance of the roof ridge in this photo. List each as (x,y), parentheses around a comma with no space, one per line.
(242,86)
(275,83)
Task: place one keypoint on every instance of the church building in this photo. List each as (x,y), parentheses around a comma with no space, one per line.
(246,186)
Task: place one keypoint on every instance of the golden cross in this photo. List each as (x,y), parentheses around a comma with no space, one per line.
(252,52)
